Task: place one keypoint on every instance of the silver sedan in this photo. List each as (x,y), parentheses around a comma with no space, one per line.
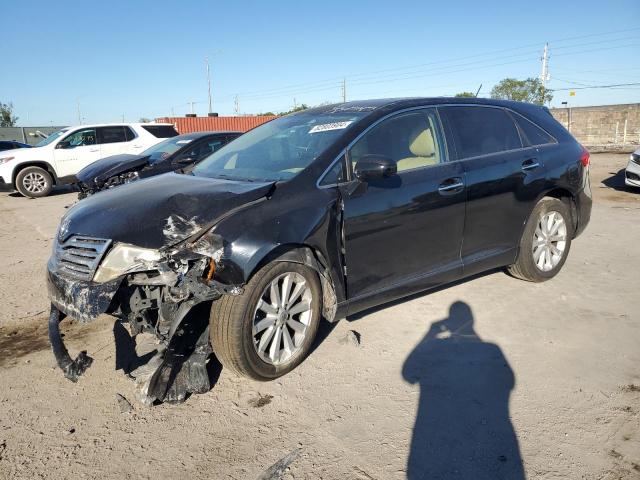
(632,173)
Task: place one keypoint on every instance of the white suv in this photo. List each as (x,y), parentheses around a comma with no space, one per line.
(56,159)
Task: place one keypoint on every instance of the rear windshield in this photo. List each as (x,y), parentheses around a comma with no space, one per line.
(279,149)
(161,131)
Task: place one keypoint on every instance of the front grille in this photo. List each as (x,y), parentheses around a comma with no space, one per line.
(79,256)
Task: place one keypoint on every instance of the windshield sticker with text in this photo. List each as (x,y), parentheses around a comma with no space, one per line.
(325,127)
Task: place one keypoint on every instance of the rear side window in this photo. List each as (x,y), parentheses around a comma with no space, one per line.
(6,146)
(531,133)
(112,134)
(481,130)
(161,131)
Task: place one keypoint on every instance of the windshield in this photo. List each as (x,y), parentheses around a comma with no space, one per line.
(52,137)
(279,149)
(165,149)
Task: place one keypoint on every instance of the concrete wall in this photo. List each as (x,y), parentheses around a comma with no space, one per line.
(22,134)
(605,127)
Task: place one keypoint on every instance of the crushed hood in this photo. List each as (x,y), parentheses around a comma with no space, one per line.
(107,167)
(158,211)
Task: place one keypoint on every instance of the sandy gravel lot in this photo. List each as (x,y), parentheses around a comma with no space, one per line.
(538,381)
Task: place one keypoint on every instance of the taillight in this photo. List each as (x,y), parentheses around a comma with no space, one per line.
(584,158)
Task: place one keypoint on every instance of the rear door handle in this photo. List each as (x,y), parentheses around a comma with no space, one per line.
(530,164)
(94,149)
(451,186)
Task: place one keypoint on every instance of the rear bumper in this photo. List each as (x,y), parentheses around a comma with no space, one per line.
(584,203)
(6,187)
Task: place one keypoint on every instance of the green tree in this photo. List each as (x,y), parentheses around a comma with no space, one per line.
(530,90)
(7,118)
(465,94)
(299,108)
(144,120)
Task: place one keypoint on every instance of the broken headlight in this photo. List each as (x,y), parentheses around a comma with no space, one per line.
(124,258)
(130,177)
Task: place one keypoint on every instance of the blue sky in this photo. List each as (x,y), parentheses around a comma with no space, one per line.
(145,58)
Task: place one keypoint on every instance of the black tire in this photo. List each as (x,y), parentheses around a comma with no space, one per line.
(525,267)
(26,186)
(232,317)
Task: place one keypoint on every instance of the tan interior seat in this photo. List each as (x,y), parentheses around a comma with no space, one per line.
(423,148)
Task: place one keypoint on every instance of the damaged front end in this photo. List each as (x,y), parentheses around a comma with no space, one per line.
(151,291)
(86,189)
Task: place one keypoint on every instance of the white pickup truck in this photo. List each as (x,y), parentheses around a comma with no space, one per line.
(57,158)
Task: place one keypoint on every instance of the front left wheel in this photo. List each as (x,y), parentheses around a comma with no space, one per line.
(268,330)
(34,182)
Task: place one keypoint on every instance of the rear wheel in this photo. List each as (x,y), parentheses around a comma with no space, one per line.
(545,242)
(267,331)
(34,182)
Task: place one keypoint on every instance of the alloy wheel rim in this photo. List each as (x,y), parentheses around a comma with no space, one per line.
(549,241)
(34,182)
(281,318)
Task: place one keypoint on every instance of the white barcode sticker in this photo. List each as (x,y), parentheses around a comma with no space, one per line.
(325,127)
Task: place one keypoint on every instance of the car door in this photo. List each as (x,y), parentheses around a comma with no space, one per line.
(404,230)
(115,139)
(75,151)
(503,180)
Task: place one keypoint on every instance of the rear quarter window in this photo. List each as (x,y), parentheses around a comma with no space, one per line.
(532,134)
(481,130)
(161,131)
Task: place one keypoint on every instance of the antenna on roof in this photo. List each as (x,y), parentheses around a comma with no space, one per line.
(478,91)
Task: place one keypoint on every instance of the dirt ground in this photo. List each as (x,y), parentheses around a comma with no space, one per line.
(535,381)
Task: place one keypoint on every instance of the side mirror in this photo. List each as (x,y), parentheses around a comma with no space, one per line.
(375,166)
(63,144)
(184,160)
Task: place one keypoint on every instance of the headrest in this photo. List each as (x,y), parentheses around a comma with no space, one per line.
(422,144)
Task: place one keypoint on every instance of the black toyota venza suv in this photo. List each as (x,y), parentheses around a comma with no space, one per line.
(322,213)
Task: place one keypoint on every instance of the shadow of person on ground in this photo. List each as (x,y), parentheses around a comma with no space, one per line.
(462,427)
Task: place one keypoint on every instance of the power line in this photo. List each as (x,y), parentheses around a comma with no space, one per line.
(334,80)
(598,86)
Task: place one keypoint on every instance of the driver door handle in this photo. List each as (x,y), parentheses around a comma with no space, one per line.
(451,186)
(530,164)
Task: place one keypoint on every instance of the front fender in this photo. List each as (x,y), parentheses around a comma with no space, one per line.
(284,222)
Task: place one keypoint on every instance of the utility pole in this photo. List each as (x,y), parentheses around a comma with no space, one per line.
(344,90)
(206,61)
(295,105)
(123,118)
(236,105)
(544,74)
(173,113)
(78,108)
(191,103)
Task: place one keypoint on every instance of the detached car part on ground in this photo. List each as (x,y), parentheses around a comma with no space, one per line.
(181,152)
(632,172)
(322,213)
